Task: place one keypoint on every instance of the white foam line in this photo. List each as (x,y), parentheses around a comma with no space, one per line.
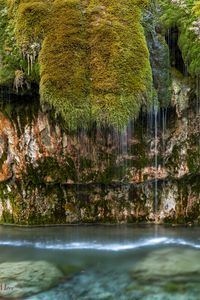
(15,243)
(100,246)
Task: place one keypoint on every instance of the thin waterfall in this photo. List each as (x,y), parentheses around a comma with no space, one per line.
(198,102)
(122,150)
(163,137)
(78,136)
(197,94)
(156,160)
(129,137)
(123,138)
(152,132)
(78,172)
(164,126)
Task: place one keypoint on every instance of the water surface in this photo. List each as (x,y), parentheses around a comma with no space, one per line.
(123,262)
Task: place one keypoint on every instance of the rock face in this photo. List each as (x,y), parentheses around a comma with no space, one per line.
(22,279)
(149,172)
(166,264)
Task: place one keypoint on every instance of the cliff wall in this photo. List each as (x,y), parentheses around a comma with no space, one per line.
(139,165)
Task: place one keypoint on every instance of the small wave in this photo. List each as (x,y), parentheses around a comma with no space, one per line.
(16,243)
(101,246)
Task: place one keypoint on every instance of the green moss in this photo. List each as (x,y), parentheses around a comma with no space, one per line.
(111,174)
(182,17)
(3,159)
(9,56)
(63,68)
(193,154)
(93,58)
(8,202)
(188,206)
(172,288)
(7,217)
(22,205)
(14,68)
(85,163)
(49,170)
(193,160)
(140,152)
(30,24)
(159,53)
(110,77)
(119,61)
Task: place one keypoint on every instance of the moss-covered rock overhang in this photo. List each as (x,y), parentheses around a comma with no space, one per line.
(90,58)
(185,16)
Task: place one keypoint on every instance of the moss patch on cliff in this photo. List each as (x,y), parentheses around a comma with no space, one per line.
(9,55)
(119,60)
(14,67)
(48,170)
(63,68)
(185,16)
(188,206)
(93,58)
(28,207)
(159,53)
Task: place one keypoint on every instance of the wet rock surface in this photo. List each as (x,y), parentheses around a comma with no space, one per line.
(49,175)
(22,279)
(148,172)
(168,264)
(112,285)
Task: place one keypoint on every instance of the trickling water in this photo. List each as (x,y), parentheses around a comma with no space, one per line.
(197,94)
(156,159)
(153,120)
(124,138)
(164,128)
(123,149)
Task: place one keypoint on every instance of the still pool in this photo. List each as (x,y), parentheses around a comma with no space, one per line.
(124,262)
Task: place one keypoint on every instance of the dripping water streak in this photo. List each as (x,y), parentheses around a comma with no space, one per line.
(197,95)
(156,160)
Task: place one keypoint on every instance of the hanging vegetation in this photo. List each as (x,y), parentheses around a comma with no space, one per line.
(185,15)
(89,57)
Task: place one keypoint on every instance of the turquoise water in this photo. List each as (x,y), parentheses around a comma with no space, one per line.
(123,262)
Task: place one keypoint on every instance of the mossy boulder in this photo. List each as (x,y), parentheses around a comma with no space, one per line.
(168,263)
(25,278)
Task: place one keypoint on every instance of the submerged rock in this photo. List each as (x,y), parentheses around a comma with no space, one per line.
(22,279)
(168,263)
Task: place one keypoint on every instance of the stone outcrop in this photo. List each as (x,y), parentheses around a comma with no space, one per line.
(148,172)
(144,173)
(166,264)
